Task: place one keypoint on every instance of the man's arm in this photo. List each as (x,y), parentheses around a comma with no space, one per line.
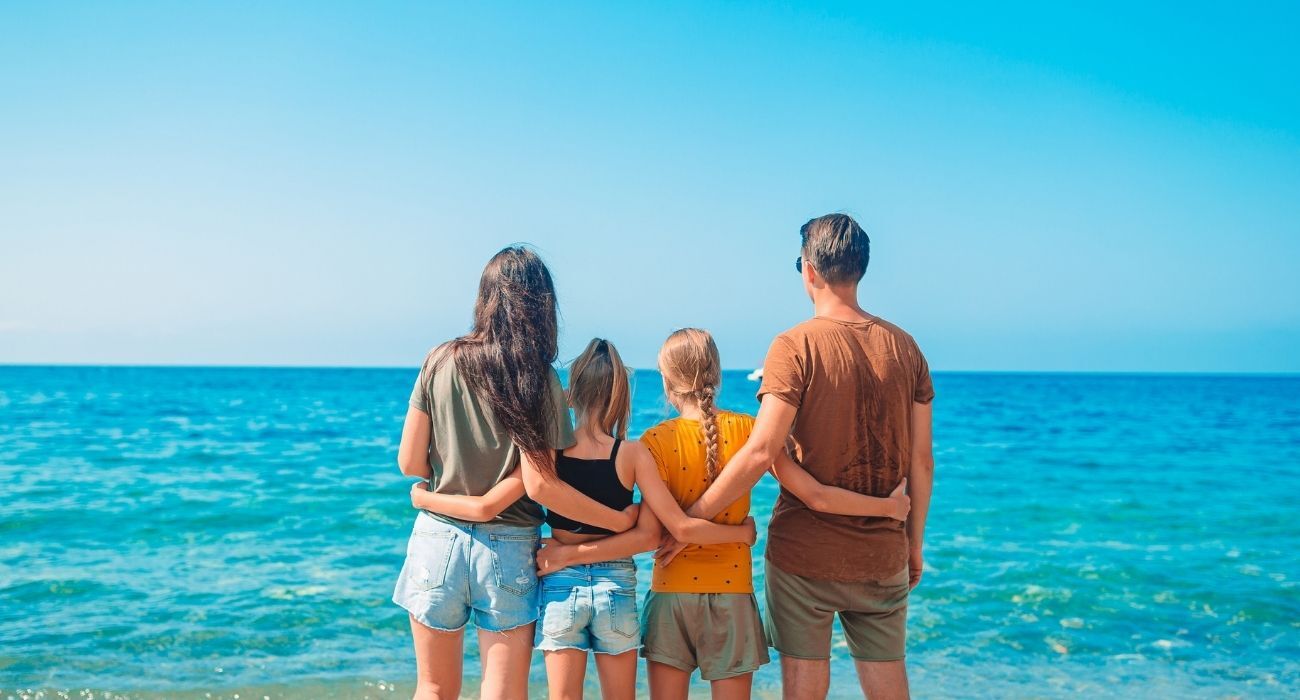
(562,498)
(921,480)
(479,509)
(766,442)
(832,499)
(554,556)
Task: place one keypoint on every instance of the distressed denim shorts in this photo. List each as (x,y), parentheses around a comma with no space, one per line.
(454,569)
(590,607)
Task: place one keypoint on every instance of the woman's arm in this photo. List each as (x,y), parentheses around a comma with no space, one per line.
(832,499)
(554,556)
(558,496)
(682,527)
(413,453)
(478,509)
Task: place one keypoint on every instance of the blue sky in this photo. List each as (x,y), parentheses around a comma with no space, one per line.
(1047,188)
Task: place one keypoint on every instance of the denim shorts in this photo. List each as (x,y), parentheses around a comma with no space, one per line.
(590,607)
(453,569)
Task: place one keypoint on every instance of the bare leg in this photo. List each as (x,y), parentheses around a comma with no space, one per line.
(883,680)
(805,679)
(565,671)
(438,662)
(667,682)
(617,675)
(505,657)
(734,688)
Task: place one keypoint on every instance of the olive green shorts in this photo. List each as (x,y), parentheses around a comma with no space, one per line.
(719,633)
(800,612)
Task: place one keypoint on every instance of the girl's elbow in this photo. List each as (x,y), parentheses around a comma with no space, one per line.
(818,502)
(409,466)
(683,531)
(536,488)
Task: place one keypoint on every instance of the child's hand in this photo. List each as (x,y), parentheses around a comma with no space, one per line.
(552,557)
(418,491)
(752,537)
(900,502)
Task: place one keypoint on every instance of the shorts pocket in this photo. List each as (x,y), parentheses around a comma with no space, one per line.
(427,556)
(557,610)
(513,563)
(622,612)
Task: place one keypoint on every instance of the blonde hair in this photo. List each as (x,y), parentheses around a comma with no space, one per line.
(692,371)
(598,386)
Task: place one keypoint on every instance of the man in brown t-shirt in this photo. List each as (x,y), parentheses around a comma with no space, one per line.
(851,394)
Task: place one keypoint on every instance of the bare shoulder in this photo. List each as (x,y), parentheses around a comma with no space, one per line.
(630,454)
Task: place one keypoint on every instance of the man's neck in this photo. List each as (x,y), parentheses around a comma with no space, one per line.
(839,303)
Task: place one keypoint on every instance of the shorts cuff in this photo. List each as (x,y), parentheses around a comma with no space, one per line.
(549,645)
(667,661)
(506,628)
(608,652)
(424,619)
(801,656)
(729,674)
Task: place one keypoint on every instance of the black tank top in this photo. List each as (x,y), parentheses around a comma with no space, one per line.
(596,478)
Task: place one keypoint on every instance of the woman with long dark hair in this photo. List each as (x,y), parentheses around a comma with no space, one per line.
(486,416)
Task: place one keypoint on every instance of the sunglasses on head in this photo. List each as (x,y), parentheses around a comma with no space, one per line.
(798,264)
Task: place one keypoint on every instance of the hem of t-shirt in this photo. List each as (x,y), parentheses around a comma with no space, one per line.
(924,401)
(495,521)
(417,406)
(820,575)
(741,590)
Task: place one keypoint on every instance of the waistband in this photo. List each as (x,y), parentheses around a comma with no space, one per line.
(618,568)
(425,522)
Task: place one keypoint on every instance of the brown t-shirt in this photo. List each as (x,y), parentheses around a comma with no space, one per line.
(854,385)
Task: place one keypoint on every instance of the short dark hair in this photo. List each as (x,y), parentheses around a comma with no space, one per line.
(837,247)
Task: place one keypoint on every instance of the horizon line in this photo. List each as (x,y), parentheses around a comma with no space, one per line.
(82,365)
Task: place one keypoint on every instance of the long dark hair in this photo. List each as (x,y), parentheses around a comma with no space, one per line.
(506,358)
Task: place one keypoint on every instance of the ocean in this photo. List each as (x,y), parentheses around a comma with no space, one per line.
(236,533)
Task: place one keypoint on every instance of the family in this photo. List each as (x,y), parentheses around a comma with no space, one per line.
(843,424)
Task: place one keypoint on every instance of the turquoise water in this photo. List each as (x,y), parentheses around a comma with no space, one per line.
(213,532)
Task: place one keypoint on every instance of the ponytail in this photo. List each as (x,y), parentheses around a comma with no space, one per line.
(598,387)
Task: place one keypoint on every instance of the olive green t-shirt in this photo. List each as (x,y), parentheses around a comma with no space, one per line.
(469,451)
(854,386)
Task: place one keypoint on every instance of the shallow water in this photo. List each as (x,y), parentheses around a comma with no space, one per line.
(217,532)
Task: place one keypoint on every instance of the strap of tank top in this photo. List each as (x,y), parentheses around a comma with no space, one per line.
(613,454)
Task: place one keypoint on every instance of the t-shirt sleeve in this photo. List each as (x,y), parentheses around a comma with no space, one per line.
(653,441)
(784,373)
(561,426)
(924,392)
(420,392)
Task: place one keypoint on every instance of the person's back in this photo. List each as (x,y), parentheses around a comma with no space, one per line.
(678,447)
(854,383)
(469,451)
(852,392)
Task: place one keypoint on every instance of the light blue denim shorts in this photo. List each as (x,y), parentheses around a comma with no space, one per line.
(453,569)
(590,607)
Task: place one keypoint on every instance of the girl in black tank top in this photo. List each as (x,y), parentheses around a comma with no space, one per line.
(591,607)
(597,478)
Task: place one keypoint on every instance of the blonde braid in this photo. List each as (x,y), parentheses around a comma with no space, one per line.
(710,424)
